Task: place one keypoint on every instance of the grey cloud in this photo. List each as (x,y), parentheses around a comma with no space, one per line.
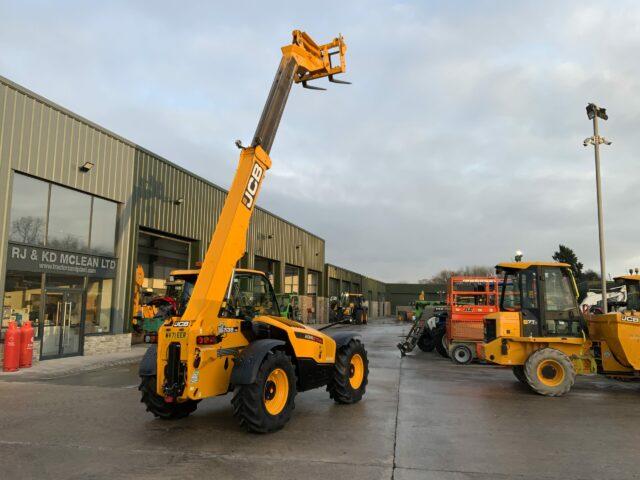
(459,142)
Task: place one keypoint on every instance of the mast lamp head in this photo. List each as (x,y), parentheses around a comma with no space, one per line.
(593,110)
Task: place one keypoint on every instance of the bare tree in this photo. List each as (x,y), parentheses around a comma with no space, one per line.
(443,276)
(27,230)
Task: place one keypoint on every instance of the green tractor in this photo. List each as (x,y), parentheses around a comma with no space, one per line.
(289,304)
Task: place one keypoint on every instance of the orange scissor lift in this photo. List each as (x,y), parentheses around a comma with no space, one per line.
(470,299)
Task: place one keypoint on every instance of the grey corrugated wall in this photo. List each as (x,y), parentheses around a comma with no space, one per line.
(159,183)
(366,283)
(47,141)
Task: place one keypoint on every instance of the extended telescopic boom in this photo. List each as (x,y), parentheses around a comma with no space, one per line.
(302,61)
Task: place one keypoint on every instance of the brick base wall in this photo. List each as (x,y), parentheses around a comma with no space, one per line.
(100,344)
(322,310)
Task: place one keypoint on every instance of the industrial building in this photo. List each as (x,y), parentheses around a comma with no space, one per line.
(403,294)
(81,208)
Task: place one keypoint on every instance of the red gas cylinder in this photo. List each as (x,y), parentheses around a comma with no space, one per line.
(11,348)
(26,345)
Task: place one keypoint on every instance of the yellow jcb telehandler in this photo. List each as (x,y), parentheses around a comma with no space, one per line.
(541,333)
(231,336)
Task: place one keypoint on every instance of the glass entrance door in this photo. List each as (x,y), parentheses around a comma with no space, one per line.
(62,331)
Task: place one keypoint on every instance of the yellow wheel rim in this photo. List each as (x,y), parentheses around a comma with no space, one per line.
(356,371)
(276,391)
(550,373)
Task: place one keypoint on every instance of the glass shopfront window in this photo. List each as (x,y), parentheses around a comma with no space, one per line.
(103,227)
(98,314)
(65,240)
(69,220)
(28,210)
(22,299)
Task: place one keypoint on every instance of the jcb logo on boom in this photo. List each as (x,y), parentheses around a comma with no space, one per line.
(252,186)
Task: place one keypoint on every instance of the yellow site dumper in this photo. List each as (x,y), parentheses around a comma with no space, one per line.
(541,333)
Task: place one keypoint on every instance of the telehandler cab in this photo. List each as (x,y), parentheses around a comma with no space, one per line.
(542,334)
(231,337)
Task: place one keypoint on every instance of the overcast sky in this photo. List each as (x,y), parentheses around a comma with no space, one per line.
(459,142)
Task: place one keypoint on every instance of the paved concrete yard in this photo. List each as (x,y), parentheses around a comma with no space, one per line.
(422,418)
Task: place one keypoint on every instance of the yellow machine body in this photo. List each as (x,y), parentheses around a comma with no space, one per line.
(209,365)
(619,337)
(211,376)
(510,348)
(611,347)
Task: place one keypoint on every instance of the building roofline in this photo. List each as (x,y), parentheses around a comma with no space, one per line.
(355,273)
(106,131)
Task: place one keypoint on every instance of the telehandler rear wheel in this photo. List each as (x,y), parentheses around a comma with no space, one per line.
(351,373)
(156,404)
(266,405)
(549,372)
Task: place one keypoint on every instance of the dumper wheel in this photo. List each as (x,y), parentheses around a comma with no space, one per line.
(266,404)
(156,404)
(351,373)
(518,372)
(426,342)
(549,372)
(440,342)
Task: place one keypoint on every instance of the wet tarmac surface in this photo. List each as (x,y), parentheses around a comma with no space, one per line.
(422,418)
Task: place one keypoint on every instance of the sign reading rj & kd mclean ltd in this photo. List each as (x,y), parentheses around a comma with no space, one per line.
(39,259)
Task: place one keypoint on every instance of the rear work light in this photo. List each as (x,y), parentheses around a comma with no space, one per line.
(207,340)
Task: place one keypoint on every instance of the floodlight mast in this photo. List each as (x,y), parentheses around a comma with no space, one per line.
(594,112)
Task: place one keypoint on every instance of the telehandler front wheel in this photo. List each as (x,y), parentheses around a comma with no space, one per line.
(549,372)
(156,404)
(266,404)
(351,373)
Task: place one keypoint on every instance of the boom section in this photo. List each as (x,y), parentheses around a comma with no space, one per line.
(302,60)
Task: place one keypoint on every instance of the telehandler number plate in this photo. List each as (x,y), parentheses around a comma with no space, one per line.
(175,335)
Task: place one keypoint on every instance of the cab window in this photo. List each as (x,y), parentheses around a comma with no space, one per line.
(251,295)
(520,291)
(633,296)
(511,293)
(560,296)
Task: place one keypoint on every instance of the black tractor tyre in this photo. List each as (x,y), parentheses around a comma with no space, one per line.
(156,404)
(549,372)
(439,341)
(461,354)
(249,405)
(426,343)
(518,372)
(339,387)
